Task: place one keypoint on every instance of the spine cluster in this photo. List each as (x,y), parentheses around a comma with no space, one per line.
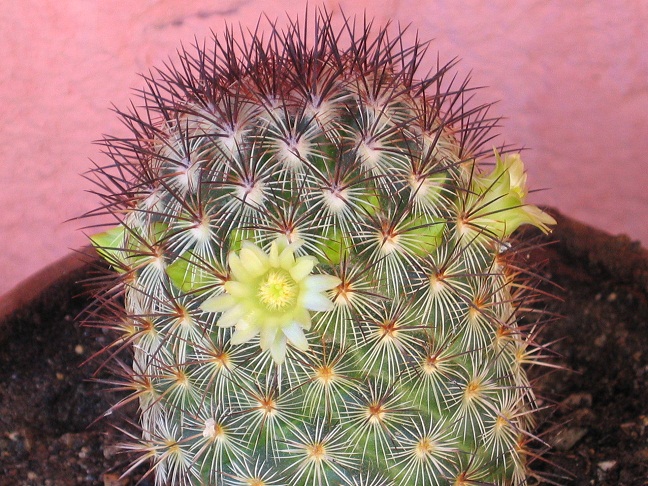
(312,270)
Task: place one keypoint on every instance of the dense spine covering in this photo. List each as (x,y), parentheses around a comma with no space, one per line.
(312,270)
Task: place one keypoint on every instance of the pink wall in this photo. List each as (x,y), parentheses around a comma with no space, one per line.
(572,78)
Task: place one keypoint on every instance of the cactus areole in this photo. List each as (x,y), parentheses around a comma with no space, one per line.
(311,270)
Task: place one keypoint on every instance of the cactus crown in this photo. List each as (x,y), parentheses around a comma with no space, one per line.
(312,271)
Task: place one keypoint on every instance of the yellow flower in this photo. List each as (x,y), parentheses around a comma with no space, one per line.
(271,295)
(497,200)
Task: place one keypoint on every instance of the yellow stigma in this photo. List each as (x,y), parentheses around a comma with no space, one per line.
(277,291)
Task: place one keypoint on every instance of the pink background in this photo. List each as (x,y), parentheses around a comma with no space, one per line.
(572,78)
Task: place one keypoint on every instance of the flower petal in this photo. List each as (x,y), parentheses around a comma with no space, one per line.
(231,316)
(302,316)
(278,349)
(237,269)
(253,259)
(237,290)
(296,336)
(268,336)
(273,257)
(539,218)
(287,258)
(244,333)
(301,268)
(218,303)
(317,302)
(319,283)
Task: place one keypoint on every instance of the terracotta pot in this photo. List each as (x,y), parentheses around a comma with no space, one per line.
(598,432)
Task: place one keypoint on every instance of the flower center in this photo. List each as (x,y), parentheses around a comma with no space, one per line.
(277,291)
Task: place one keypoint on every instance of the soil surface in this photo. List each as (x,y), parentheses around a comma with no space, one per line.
(595,423)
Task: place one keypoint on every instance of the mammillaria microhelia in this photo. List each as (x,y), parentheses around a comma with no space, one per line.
(312,267)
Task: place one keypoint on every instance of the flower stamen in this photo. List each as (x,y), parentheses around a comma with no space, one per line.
(277,291)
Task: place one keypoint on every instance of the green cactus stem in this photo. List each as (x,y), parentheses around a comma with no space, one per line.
(311,270)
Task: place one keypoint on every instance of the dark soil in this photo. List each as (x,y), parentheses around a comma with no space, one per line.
(597,430)
(48,401)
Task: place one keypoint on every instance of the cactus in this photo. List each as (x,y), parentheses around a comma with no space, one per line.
(313,271)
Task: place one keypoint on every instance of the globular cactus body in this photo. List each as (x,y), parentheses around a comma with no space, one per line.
(312,269)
